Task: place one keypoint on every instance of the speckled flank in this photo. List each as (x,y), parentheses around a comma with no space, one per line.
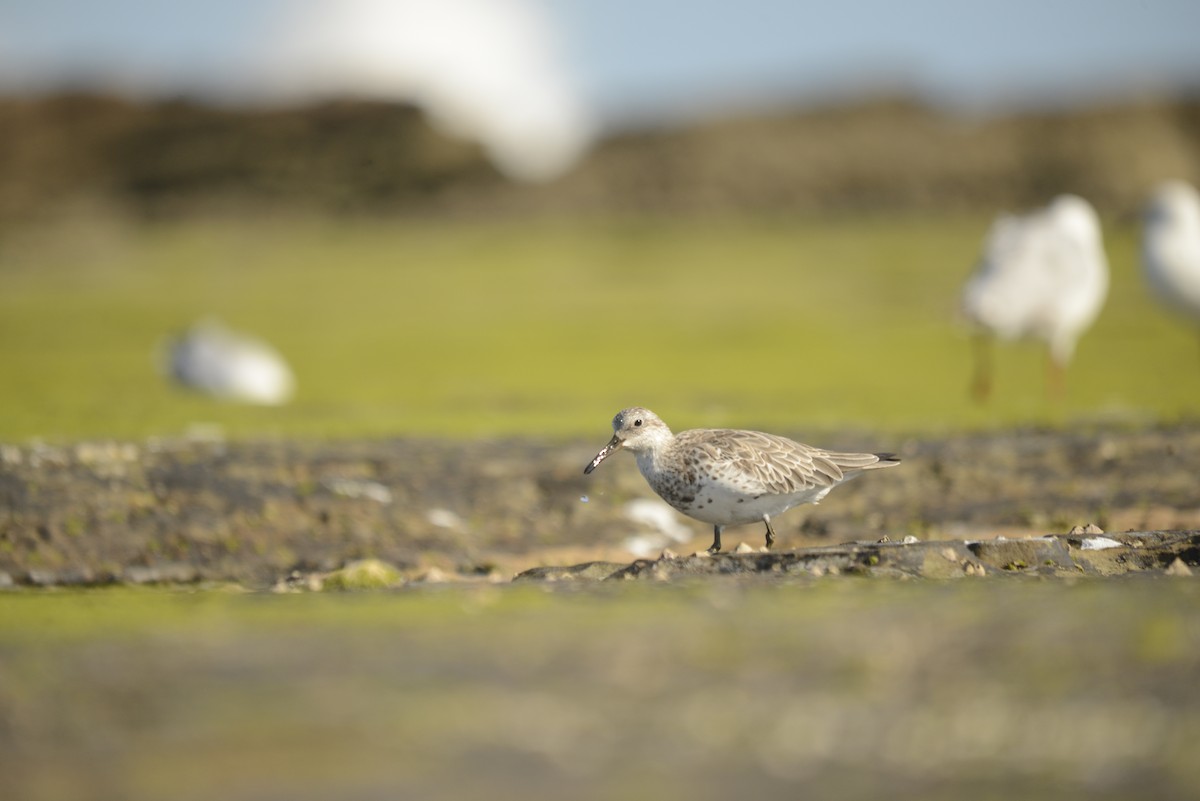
(729,477)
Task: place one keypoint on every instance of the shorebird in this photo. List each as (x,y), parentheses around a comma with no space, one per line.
(1041,275)
(727,477)
(225,364)
(1171,246)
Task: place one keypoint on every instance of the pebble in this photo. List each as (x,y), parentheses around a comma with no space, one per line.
(1178,568)
(358,488)
(168,573)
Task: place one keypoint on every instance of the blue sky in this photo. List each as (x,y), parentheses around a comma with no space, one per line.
(635,56)
(547,75)
(646,58)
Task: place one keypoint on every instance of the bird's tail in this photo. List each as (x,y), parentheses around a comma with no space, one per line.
(863,461)
(885,460)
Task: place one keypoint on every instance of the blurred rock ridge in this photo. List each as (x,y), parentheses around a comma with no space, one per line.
(88,152)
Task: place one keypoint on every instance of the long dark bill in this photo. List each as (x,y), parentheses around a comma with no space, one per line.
(613,446)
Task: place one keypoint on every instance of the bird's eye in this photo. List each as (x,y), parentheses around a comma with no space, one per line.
(637,423)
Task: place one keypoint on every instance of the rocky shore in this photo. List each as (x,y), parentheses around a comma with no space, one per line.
(274,513)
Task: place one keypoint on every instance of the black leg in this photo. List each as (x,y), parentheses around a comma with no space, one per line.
(716,546)
(770,531)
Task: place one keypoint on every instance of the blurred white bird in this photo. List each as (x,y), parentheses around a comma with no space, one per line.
(1171,246)
(1043,275)
(228,365)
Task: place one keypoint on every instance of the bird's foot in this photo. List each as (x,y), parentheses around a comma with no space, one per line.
(716,543)
(770,532)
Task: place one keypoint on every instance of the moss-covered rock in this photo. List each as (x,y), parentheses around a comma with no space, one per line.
(363,574)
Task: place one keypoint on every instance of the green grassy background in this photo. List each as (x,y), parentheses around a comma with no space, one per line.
(983,689)
(548,327)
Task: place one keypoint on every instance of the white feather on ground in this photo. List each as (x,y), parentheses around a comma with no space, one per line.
(1042,275)
(663,522)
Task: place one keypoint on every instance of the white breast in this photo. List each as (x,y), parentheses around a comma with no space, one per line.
(1171,246)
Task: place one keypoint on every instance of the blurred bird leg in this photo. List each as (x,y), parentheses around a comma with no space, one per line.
(1056,379)
(981,381)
